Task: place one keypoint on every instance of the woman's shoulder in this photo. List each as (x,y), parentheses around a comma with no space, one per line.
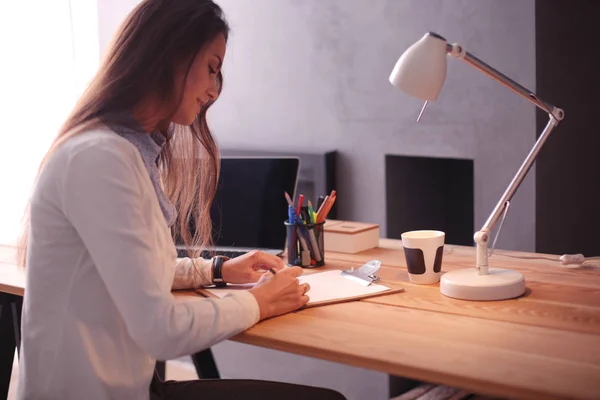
(97,140)
(95,151)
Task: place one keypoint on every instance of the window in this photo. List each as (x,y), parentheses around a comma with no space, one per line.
(49,52)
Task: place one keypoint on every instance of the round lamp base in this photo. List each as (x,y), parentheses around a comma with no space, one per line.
(467,284)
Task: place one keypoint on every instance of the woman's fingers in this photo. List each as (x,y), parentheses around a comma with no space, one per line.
(303,288)
(293,271)
(262,260)
(304,300)
(281,293)
(261,277)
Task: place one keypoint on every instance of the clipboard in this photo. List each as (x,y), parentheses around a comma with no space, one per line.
(328,287)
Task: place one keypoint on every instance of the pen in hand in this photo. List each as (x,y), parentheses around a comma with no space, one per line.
(271,270)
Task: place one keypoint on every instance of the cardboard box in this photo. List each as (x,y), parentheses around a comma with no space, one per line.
(349,236)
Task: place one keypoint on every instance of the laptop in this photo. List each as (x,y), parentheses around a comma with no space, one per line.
(249,208)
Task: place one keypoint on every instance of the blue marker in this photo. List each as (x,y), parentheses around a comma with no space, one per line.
(291,214)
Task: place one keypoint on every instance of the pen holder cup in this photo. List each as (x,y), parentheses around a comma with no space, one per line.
(305,244)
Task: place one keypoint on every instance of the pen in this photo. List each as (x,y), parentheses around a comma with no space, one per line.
(304,214)
(314,246)
(271,270)
(309,242)
(300,232)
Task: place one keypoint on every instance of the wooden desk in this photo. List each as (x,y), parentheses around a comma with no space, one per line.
(543,345)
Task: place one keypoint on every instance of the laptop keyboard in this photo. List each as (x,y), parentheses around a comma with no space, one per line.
(210,253)
(226,253)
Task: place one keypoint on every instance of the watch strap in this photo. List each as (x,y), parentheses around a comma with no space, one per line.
(217,270)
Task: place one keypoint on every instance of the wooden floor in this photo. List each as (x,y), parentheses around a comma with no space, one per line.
(176,370)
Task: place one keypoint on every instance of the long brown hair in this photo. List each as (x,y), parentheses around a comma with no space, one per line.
(155,38)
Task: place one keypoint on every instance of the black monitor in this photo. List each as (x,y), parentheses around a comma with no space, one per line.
(249,208)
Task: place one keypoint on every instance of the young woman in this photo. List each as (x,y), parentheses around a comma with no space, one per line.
(133,163)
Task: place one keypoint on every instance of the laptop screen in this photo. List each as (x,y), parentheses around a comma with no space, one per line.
(249,206)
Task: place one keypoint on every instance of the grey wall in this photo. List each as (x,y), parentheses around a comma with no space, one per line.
(314,73)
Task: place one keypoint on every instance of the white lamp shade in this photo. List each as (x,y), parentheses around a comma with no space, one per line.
(421,70)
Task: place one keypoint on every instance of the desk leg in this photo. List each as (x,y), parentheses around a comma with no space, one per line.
(161,370)
(8,341)
(399,385)
(206,368)
(16,308)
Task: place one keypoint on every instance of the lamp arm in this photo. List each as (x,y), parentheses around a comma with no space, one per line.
(555,115)
(482,237)
(457,51)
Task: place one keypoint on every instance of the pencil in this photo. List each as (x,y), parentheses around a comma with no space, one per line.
(323,210)
(322,204)
(289,199)
(326,208)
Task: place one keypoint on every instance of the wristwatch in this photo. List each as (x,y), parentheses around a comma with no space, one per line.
(217,270)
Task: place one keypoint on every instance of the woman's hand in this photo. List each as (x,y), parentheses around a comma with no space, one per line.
(280,293)
(249,267)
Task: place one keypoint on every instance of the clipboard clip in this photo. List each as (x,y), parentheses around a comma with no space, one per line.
(365,274)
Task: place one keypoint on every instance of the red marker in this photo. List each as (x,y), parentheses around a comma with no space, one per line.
(300,200)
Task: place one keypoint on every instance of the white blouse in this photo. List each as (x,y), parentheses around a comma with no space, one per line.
(98,308)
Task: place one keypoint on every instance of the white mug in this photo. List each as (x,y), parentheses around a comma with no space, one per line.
(423,251)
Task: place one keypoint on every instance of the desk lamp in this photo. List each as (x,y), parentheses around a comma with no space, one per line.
(420,72)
